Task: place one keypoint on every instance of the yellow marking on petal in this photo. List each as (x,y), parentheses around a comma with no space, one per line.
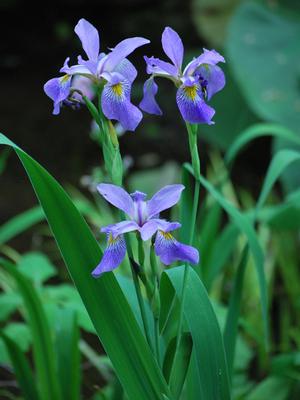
(65,78)
(117,89)
(111,239)
(191,91)
(167,235)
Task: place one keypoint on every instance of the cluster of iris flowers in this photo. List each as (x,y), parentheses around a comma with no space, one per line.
(111,75)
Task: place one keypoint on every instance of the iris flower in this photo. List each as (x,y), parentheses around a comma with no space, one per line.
(143,217)
(196,83)
(113,70)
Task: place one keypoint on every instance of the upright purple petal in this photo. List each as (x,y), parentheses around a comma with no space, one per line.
(126,68)
(173,47)
(148,102)
(211,57)
(156,66)
(116,103)
(170,250)
(58,89)
(192,106)
(117,196)
(120,228)
(113,255)
(121,51)
(153,225)
(164,199)
(89,37)
(214,78)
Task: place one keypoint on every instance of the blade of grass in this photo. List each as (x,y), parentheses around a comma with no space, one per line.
(104,300)
(22,369)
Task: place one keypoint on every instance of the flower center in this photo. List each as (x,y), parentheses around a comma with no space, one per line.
(166,235)
(191,91)
(117,89)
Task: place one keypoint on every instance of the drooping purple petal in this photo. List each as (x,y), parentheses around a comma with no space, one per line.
(170,250)
(89,37)
(158,67)
(113,255)
(122,50)
(58,89)
(214,77)
(211,57)
(173,46)
(126,68)
(120,227)
(117,196)
(192,106)
(148,102)
(116,103)
(164,199)
(153,225)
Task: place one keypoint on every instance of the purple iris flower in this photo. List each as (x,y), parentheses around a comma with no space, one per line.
(144,218)
(198,82)
(113,70)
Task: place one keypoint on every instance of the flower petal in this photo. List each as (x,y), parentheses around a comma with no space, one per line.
(214,77)
(170,250)
(120,227)
(126,68)
(173,46)
(89,37)
(158,67)
(58,89)
(192,106)
(148,102)
(164,199)
(121,51)
(85,86)
(117,196)
(116,103)
(211,57)
(152,226)
(113,255)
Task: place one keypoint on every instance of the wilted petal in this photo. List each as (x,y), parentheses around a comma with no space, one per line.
(192,106)
(58,89)
(113,255)
(153,225)
(126,68)
(121,51)
(117,196)
(116,103)
(120,227)
(89,37)
(214,77)
(148,102)
(164,199)
(173,47)
(211,57)
(158,67)
(170,250)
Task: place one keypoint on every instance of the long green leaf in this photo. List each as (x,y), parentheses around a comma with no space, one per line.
(231,325)
(207,339)
(68,355)
(43,349)
(20,223)
(279,163)
(244,225)
(176,363)
(256,131)
(21,369)
(103,298)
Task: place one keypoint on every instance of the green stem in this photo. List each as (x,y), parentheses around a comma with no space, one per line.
(192,134)
(138,292)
